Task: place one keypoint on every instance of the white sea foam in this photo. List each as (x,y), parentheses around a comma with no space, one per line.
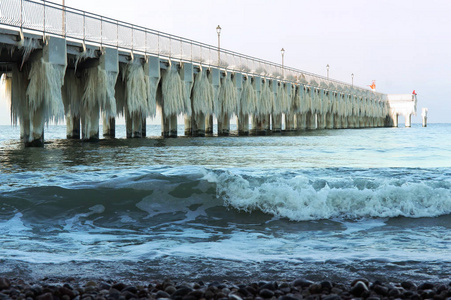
(296,198)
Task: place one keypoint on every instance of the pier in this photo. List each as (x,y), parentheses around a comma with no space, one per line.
(60,63)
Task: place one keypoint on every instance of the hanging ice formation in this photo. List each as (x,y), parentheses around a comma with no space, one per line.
(151,88)
(266,99)
(99,94)
(248,101)
(228,102)
(27,45)
(135,91)
(173,94)
(203,94)
(282,101)
(5,88)
(42,102)
(72,93)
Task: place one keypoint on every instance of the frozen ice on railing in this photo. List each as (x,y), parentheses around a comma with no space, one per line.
(261,71)
(291,77)
(244,68)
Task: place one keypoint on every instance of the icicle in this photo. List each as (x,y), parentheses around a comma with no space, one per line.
(266,99)
(203,94)
(173,93)
(248,101)
(228,103)
(81,56)
(28,45)
(135,90)
(44,90)
(282,102)
(151,87)
(72,94)
(5,88)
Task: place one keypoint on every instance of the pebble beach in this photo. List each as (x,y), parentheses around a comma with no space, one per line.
(70,288)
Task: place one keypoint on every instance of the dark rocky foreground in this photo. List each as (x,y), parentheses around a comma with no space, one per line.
(295,290)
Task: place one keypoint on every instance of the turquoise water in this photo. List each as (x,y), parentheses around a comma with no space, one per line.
(338,204)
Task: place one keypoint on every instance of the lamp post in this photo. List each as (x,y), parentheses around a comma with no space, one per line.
(352,77)
(327,67)
(283,53)
(218,30)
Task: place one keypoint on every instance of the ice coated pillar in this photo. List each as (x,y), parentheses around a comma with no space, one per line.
(43,93)
(243,119)
(424,115)
(187,76)
(276,117)
(214,77)
(408,120)
(109,61)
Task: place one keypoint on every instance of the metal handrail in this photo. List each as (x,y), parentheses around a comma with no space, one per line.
(53,19)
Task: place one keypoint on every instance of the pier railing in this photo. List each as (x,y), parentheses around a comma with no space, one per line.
(50,18)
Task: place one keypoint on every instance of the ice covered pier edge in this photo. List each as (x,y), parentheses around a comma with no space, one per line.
(54,66)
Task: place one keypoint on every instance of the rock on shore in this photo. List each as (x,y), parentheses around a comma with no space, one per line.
(167,289)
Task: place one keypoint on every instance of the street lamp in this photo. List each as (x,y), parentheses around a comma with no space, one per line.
(352,76)
(218,30)
(283,52)
(327,67)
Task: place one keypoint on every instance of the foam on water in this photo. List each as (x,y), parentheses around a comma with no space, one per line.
(299,198)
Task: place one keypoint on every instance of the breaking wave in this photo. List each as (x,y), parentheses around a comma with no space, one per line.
(297,195)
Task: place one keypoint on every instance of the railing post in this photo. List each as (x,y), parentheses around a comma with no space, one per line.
(64,20)
(44,20)
(117,34)
(21,14)
(158,44)
(145,43)
(101,31)
(84,27)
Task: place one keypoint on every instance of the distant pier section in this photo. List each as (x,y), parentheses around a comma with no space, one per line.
(60,63)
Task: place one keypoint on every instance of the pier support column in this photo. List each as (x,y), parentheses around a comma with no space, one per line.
(187,76)
(224,125)
(189,125)
(322,121)
(173,126)
(277,123)
(198,125)
(424,115)
(73,127)
(109,127)
(36,95)
(99,92)
(266,123)
(133,124)
(243,124)
(408,122)
(165,124)
(255,125)
(289,122)
(301,122)
(311,121)
(72,92)
(395,120)
(144,128)
(209,124)
(214,77)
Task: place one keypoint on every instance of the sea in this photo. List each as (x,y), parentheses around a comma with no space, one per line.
(321,205)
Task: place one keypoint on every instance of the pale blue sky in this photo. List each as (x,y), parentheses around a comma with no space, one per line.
(403,45)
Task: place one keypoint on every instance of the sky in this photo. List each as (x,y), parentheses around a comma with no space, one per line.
(404,45)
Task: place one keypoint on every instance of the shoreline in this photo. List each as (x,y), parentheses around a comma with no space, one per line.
(71,288)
